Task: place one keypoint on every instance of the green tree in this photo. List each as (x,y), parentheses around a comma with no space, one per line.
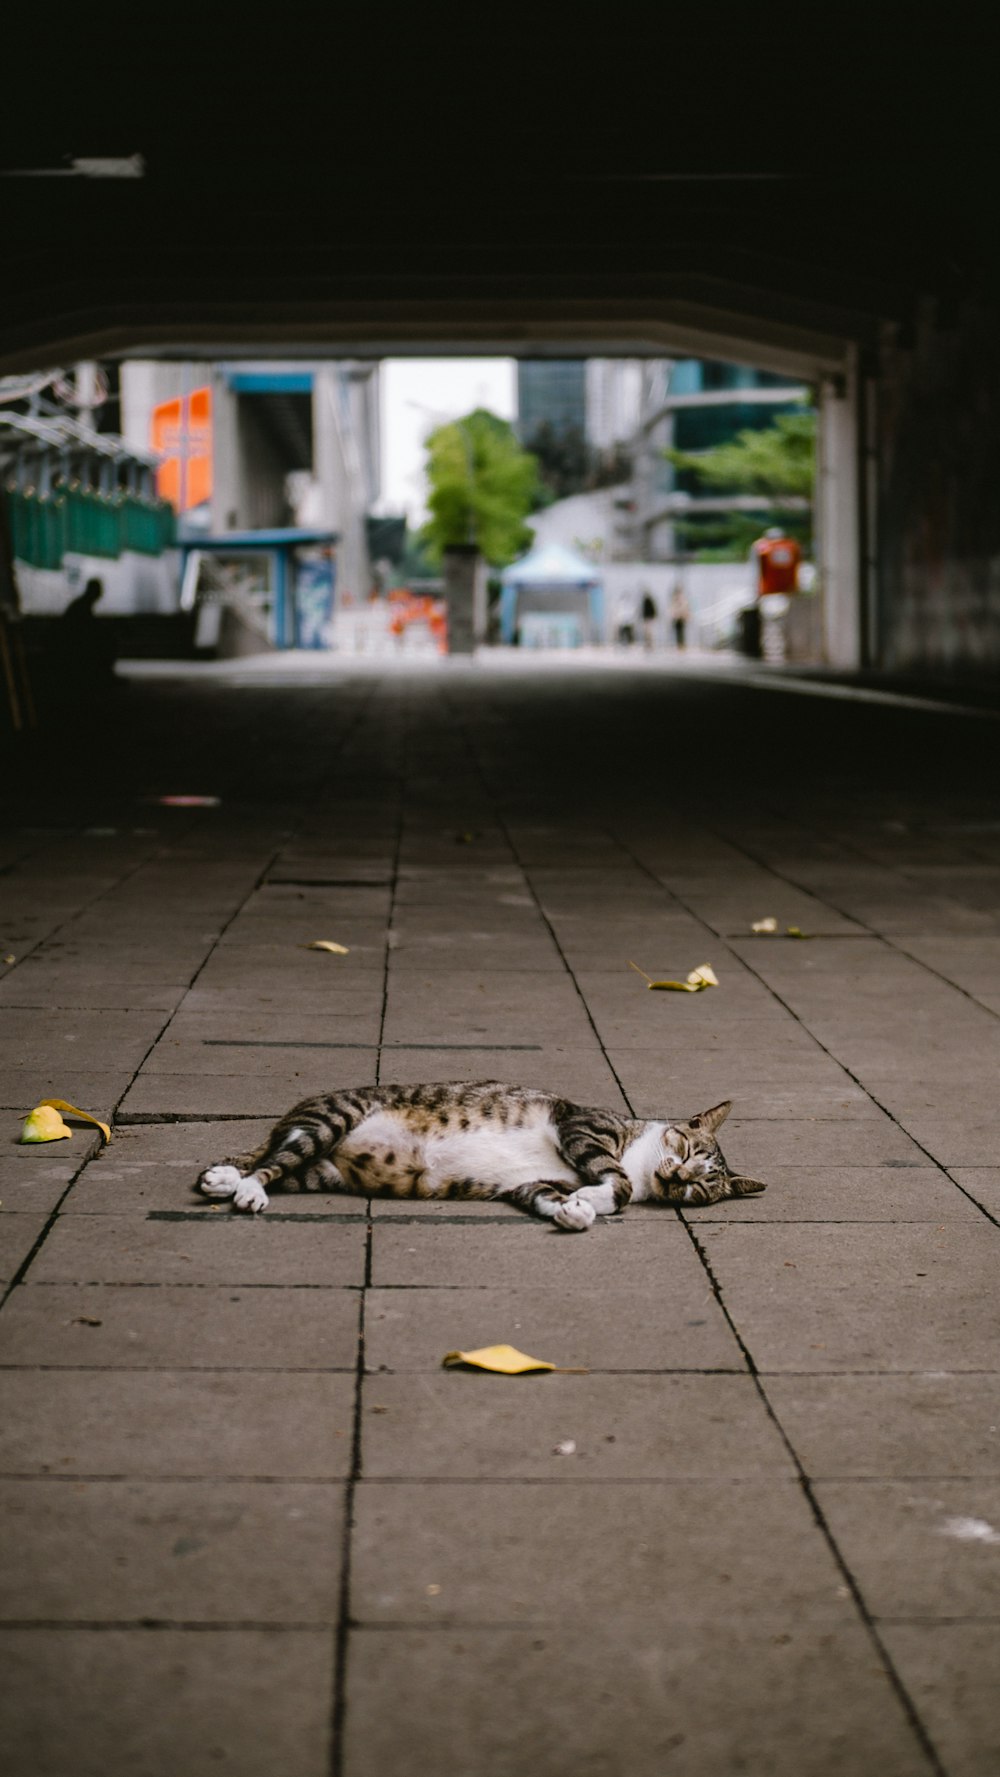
(777,462)
(483,485)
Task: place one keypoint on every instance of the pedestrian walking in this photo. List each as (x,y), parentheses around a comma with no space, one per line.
(648,613)
(680,611)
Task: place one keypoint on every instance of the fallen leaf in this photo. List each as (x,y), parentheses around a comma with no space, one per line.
(327,944)
(44,1124)
(10,959)
(698,978)
(704,976)
(87,1320)
(764,925)
(795,932)
(70,1110)
(504,1360)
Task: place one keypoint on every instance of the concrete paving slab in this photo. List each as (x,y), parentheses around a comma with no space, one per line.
(680,1327)
(777,1711)
(510,1552)
(283,953)
(920,1549)
(206,1249)
(171,1423)
(243,1094)
(21,1088)
(863,1427)
(265,1058)
(96,989)
(528,1251)
(196,1143)
(463,1426)
(98,1326)
(840,1298)
(834,1194)
(153,1702)
(192,1551)
(755,1143)
(581,1074)
(19,1231)
(279,1023)
(954,1141)
(949,1669)
(982,1183)
(96,1040)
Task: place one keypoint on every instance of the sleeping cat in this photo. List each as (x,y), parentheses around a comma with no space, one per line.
(526,1147)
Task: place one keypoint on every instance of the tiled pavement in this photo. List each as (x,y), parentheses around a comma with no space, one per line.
(249,1523)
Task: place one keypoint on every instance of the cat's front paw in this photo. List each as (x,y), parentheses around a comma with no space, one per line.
(251,1195)
(220,1181)
(576,1213)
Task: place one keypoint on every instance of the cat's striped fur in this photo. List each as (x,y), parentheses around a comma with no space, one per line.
(529,1148)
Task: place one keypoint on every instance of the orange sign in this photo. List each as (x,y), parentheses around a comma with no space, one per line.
(181,432)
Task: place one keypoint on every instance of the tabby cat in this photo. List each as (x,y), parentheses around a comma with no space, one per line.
(529,1148)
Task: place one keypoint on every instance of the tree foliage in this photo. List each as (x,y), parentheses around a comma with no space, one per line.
(777,460)
(482,484)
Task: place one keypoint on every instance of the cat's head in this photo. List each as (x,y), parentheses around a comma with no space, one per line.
(692,1168)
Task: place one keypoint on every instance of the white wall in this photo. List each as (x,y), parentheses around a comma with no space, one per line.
(134,584)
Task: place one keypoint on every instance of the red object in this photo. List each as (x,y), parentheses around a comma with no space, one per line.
(777,564)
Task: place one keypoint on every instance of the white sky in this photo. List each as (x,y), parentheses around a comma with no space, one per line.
(418,394)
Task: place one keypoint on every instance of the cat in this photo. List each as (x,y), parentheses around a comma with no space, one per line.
(525,1147)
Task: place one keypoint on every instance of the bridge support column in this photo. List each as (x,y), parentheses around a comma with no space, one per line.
(837,515)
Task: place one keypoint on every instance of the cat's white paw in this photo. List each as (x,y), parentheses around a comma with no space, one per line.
(575,1213)
(220,1181)
(251,1195)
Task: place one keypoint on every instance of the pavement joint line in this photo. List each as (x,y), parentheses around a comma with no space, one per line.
(338,1712)
(219,1626)
(294,1043)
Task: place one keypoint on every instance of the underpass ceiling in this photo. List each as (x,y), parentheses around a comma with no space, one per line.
(737,191)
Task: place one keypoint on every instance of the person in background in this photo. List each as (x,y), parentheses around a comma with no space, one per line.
(648,613)
(777,559)
(85,646)
(680,611)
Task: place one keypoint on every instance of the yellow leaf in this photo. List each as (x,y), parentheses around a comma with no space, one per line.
(704,976)
(327,944)
(44,1124)
(698,978)
(764,925)
(70,1110)
(794,932)
(504,1360)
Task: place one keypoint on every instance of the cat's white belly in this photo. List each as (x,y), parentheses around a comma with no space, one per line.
(497,1157)
(501,1158)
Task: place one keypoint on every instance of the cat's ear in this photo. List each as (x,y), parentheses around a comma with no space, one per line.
(709,1121)
(746,1187)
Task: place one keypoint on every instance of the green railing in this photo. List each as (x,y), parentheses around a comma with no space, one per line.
(78,521)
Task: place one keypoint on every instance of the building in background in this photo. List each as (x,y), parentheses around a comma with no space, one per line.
(285,450)
(551,392)
(694,404)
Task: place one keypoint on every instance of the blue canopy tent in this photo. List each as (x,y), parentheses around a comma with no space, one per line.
(551,582)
